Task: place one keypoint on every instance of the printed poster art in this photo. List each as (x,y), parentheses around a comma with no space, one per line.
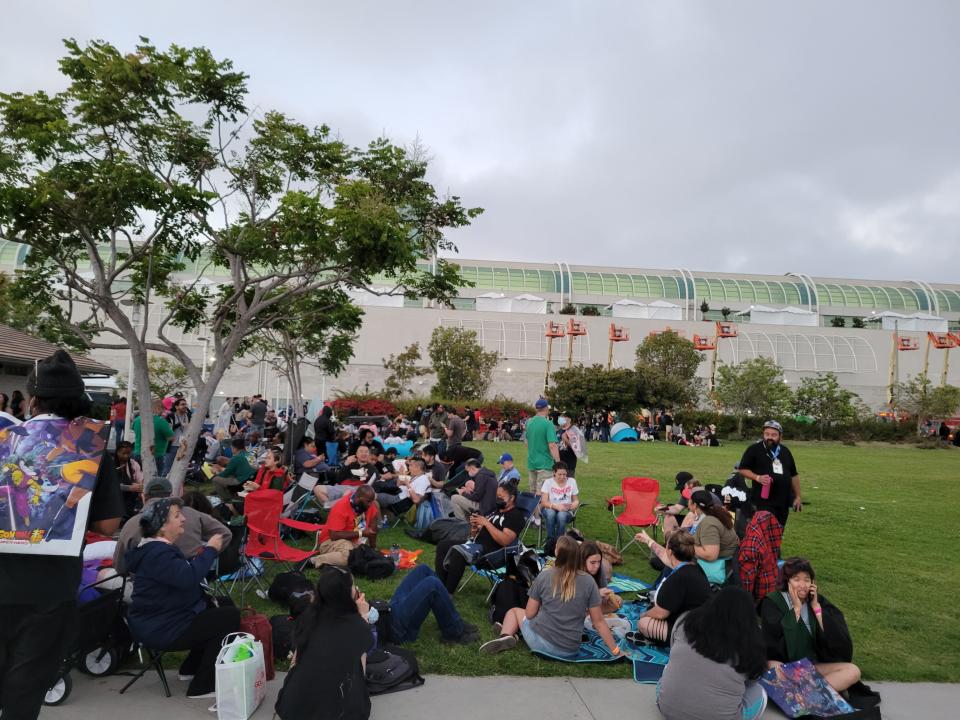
(48,470)
(798,689)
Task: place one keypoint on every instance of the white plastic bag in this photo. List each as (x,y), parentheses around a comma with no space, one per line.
(241,677)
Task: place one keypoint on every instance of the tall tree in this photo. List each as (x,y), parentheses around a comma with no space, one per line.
(579,388)
(667,365)
(919,397)
(463,368)
(148,161)
(167,376)
(823,398)
(752,387)
(403,370)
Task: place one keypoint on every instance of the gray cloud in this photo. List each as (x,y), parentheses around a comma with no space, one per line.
(743,136)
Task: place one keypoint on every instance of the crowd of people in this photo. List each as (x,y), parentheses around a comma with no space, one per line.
(721,603)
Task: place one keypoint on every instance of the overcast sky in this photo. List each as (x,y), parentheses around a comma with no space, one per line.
(816,136)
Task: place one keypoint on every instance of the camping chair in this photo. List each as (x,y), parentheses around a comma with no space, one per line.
(155,661)
(541,529)
(528,503)
(263,510)
(639,498)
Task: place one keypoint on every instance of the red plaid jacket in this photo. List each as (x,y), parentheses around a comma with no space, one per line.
(759,553)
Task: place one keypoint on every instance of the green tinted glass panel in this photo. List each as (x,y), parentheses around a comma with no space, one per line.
(485,278)
(594,284)
(761,291)
(579,282)
(464,304)
(792,294)
(670,287)
(777,294)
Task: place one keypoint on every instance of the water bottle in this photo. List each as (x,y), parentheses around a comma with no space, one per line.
(765,490)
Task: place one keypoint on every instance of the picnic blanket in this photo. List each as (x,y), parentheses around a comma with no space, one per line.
(592,650)
(622,584)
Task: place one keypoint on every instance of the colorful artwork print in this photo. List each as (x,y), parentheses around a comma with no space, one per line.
(798,689)
(48,471)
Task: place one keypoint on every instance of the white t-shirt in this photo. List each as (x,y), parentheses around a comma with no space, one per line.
(560,495)
(420,485)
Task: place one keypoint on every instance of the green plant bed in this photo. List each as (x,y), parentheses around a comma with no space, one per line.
(863,530)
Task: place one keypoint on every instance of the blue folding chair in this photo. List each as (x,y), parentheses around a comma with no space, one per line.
(491,565)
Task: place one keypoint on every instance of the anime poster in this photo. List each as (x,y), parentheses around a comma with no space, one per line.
(798,689)
(48,470)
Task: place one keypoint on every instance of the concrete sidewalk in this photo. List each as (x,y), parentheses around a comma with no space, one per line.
(481,698)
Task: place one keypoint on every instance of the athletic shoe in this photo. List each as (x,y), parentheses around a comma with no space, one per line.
(181,676)
(198,695)
(470,634)
(504,642)
(498,628)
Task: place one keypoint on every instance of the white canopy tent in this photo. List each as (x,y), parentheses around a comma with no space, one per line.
(789,315)
(629,309)
(494,302)
(371,299)
(663,310)
(529,304)
(917,322)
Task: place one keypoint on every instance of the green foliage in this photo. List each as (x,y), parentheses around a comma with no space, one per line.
(21,314)
(725,311)
(568,309)
(823,398)
(463,368)
(579,388)
(838,322)
(919,397)
(752,387)
(704,307)
(859,323)
(667,368)
(495,409)
(403,370)
(590,311)
(167,376)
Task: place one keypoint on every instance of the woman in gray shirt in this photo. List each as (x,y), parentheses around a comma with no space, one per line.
(716,656)
(559,598)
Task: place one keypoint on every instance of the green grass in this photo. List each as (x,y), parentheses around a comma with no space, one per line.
(880,526)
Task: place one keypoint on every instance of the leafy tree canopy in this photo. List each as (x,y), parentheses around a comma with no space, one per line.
(463,368)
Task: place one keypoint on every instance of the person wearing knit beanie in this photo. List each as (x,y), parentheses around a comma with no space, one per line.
(56,387)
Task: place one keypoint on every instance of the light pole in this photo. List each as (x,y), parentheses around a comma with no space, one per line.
(128,419)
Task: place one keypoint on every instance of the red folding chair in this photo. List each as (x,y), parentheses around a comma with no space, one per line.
(263,510)
(638,499)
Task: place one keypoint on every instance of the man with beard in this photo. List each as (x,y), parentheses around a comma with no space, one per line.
(770,465)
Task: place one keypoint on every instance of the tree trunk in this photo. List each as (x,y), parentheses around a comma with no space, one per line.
(178,472)
(740,425)
(145,404)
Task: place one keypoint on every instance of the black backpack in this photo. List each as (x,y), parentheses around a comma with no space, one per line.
(286,585)
(282,627)
(392,669)
(364,561)
(384,626)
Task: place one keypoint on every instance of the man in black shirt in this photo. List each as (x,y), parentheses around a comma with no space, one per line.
(770,465)
(454,459)
(494,532)
(38,592)
(437,470)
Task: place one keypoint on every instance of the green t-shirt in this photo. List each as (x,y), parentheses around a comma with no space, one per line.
(239,467)
(540,433)
(162,434)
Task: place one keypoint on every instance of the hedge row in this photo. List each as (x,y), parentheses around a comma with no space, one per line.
(870,429)
(361,404)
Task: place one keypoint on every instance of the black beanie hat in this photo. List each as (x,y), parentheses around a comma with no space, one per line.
(55,376)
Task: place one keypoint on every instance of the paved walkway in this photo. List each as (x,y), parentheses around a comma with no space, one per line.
(483,698)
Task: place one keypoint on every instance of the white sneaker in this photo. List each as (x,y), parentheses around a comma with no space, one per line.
(536,521)
(212,693)
(184,677)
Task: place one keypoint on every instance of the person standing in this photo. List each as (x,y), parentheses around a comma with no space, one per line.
(38,601)
(325,435)
(542,448)
(162,435)
(438,428)
(456,430)
(258,415)
(118,416)
(771,467)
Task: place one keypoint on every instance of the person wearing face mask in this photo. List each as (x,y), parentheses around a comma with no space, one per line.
(797,622)
(491,533)
(770,466)
(353,519)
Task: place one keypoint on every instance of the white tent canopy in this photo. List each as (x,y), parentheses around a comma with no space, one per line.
(789,315)
(917,322)
(494,302)
(366,298)
(629,309)
(663,310)
(529,304)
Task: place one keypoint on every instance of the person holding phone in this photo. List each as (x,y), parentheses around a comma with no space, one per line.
(797,622)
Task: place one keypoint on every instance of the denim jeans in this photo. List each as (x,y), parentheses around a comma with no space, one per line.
(333,453)
(556,521)
(420,592)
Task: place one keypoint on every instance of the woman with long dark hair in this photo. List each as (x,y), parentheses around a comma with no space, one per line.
(331,640)
(716,657)
(18,405)
(716,542)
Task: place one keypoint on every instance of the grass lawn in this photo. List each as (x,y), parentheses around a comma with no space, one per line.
(862,527)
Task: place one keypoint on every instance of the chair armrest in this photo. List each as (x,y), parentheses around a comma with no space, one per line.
(300,525)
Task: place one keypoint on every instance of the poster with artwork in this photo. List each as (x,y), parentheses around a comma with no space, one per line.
(798,689)
(48,470)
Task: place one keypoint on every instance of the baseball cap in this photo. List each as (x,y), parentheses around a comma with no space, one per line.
(541,403)
(504,458)
(701,497)
(682,478)
(773,424)
(159,487)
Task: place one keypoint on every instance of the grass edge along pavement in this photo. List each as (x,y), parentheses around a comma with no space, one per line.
(875,552)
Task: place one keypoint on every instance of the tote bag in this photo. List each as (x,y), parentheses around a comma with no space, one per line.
(241,677)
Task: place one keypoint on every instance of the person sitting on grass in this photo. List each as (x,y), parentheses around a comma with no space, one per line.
(559,500)
(559,598)
(684,588)
(491,533)
(797,622)
(716,658)
(670,525)
(509,473)
(593,564)
(420,593)
(715,539)
(327,677)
